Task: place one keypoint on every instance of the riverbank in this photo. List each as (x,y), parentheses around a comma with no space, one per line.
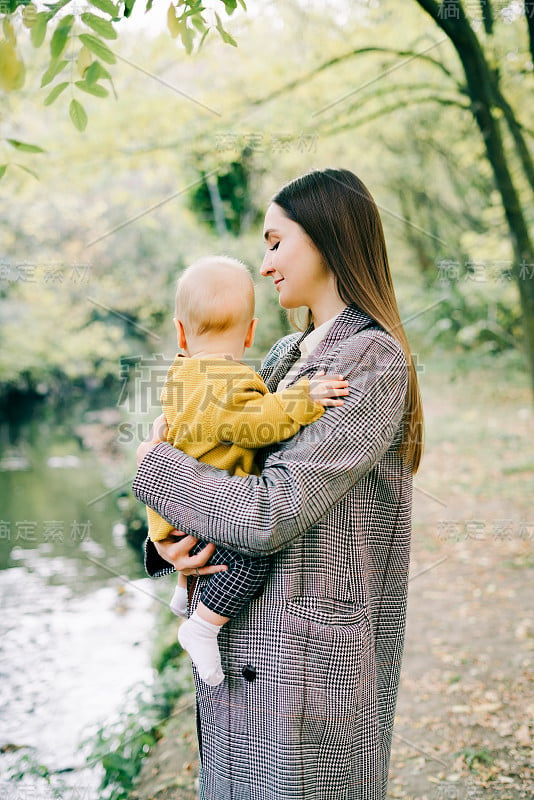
(463,728)
(77,604)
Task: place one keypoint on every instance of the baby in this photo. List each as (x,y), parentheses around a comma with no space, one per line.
(219,410)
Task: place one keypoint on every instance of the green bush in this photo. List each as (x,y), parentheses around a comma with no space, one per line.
(121,746)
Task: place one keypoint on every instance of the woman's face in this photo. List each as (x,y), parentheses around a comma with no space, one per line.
(293,262)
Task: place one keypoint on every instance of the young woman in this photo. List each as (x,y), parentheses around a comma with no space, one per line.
(312,666)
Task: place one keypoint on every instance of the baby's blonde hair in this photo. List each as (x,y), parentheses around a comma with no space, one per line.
(213,295)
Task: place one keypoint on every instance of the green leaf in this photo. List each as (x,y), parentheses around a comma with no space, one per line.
(203,38)
(230,6)
(174,25)
(29,14)
(228,39)
(97,47)
(78,115)
(54,69)
(84,60)
(94,72)
(38,30)
(54,94)
(29,171)
(199,23)
(24,147)
(12,69)
(101,26)
(3,168)
(225,36)
(114,761)
(187,36)
(195,9)
(9,31)
(60,36)
(106,6)
(92,88)
(55,7)
(105,74)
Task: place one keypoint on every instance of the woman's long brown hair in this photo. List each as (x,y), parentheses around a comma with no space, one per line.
(339,215)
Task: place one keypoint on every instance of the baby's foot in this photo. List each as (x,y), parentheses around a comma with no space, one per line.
(179,602)
(199,638)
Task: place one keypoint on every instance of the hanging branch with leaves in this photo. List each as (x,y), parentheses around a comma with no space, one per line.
(80,37)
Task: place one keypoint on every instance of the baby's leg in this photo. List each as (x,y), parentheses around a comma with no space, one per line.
(227,593)
(199,637)
(179,602)
(210,616)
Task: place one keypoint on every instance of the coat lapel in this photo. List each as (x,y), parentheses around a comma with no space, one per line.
(350,321)
(282,367)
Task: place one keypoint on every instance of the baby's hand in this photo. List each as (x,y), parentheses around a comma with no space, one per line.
(324,389)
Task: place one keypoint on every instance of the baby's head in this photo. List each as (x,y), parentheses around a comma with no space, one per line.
(215,304)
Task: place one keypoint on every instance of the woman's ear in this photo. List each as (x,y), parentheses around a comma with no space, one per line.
(249,338)
(182,340)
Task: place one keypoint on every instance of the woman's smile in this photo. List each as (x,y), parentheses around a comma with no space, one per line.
(306,281)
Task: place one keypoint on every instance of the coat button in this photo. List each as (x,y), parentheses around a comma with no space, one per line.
(249,673)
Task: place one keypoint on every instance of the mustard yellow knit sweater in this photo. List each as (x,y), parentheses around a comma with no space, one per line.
(220,411)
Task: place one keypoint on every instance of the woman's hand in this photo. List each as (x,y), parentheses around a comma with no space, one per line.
(177,554)
(157,434)
(327,389)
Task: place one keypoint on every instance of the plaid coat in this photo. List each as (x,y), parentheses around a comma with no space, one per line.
(312,664)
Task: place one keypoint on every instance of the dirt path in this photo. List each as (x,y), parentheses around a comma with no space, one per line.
(465,714)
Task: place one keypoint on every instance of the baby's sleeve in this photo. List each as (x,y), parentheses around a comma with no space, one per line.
(253,417)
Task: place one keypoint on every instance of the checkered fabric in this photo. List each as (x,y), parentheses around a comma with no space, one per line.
(227,593)
(312,664)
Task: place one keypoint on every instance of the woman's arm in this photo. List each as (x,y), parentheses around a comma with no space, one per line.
(262,514)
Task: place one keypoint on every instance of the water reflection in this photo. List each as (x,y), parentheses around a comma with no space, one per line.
(77,609)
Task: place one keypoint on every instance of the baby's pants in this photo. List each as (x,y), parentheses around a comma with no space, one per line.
(227,593)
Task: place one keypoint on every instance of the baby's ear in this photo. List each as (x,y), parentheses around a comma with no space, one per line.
(182,341)
(249,338)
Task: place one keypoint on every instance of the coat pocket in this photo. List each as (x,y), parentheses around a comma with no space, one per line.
(326,610)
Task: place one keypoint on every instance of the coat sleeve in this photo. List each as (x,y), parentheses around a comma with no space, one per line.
(300,483)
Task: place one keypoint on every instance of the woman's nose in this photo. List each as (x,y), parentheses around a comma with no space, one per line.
(266,267)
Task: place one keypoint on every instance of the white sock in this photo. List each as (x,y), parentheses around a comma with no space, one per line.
(199,638)
(179,602)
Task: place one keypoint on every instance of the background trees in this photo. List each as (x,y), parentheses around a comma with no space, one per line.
(427,103)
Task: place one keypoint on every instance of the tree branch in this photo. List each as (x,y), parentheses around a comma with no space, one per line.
(529,14)
(395,88)
(483,87)
(349,125)
(297,82)
(487,16)
(516,131)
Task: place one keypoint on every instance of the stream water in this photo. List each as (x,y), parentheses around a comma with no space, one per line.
(77,611)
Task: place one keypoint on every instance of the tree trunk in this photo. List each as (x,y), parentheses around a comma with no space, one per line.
(482,85)
(217,206)
(529,14)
